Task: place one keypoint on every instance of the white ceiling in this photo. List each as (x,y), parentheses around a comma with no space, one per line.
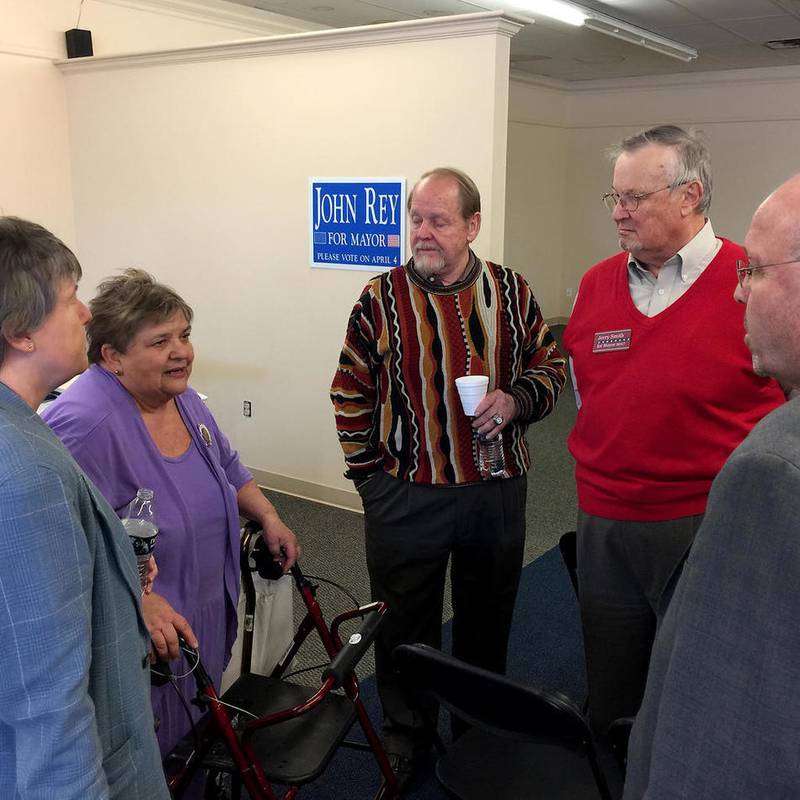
(728,34)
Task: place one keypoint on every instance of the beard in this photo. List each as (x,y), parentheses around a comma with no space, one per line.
(632,246)
(428,262)
(758,367)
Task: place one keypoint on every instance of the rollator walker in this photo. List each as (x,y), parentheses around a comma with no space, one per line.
(281,732)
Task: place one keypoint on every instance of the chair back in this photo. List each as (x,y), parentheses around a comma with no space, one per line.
(491,701)
(547,739)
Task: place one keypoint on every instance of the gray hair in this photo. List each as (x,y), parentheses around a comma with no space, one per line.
(468,194)
(33,265)
(126,303)
(693,162)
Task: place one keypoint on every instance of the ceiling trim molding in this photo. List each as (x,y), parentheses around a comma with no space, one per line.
(9,49)
(464,25)
(694,122)
(227,15)
(556,126)
(739,77)
(540,81)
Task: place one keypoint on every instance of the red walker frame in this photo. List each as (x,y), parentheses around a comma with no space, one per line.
(217,725)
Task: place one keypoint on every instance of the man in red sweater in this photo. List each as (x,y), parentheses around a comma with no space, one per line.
(665,392)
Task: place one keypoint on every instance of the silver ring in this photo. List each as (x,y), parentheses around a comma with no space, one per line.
(497,419)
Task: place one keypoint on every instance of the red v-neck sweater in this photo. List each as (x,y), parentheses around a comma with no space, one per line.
(659,419)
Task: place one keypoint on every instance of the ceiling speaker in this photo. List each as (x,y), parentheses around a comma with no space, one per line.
(79,43)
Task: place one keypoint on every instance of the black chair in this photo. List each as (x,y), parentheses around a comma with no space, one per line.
(568,547)
(524,742)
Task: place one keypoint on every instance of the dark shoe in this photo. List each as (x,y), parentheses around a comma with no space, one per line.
(405,768)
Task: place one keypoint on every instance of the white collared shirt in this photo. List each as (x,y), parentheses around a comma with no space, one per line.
(651,294)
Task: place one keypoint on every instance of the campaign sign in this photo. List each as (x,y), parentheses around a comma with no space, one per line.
(357,223)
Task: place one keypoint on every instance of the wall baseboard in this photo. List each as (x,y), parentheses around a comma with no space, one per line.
(317,493)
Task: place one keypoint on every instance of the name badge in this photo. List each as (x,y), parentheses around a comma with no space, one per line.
(607,341)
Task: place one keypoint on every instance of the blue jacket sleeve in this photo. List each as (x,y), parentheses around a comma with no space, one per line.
(45,630)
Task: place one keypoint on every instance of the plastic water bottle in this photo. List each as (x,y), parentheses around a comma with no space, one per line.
(140,525)
(491,459)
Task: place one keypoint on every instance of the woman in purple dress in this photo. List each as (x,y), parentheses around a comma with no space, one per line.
(132,421)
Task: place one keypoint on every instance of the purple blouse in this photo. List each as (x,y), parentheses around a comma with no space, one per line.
(101,425)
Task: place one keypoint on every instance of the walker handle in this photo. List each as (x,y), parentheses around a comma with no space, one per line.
(354,649)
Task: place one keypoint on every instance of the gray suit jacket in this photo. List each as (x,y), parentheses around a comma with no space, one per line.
(721,714)
(75,716)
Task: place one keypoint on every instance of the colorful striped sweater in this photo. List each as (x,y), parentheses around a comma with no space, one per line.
(394,393)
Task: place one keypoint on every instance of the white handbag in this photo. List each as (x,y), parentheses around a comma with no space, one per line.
(266,617)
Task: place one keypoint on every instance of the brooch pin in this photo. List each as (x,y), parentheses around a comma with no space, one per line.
(205,434)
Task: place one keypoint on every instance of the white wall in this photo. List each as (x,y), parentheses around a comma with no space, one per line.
(34,170)
(537,191)
(197,170)
(35,176)
(751,119)
(195,165)
(126,26)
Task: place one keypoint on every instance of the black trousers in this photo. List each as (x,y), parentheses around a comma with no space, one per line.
(411,532)
(623,567)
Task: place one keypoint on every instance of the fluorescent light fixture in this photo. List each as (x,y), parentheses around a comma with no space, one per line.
(574,14)
(555,9)
(644,38)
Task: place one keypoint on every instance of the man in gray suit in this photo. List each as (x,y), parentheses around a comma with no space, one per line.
(721,714)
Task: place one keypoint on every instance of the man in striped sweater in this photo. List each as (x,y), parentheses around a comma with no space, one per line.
(410,449)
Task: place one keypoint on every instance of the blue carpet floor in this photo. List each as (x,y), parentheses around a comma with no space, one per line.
(545,649)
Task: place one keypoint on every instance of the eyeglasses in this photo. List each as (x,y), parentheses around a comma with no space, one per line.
(630,200)
(745,270)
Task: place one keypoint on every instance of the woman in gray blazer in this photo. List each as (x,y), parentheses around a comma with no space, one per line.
(75,718)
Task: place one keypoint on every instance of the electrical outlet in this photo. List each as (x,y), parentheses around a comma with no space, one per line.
(247,408)
(570,291)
